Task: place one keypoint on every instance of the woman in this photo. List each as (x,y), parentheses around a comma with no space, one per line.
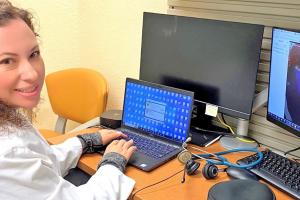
(29,167)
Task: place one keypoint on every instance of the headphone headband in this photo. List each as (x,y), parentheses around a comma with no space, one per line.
(210,169)
(220,160)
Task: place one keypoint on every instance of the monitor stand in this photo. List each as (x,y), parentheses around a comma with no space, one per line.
(229,142)
(243,125)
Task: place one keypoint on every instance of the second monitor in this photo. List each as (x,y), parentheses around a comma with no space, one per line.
(217,60)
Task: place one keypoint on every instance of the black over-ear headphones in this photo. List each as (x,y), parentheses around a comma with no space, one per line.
(209,171)
(191,166)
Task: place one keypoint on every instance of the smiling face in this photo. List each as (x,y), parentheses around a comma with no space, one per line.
(21,66)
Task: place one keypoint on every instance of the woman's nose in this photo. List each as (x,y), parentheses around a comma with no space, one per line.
(28,71)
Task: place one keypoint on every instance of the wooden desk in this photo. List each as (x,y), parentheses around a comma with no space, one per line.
(195,187)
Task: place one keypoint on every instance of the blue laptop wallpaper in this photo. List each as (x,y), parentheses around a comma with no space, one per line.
(161,111)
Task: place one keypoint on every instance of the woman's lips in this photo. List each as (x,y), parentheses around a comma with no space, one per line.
(28,92)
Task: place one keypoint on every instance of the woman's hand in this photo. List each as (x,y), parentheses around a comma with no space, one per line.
(110,135)
(122,147)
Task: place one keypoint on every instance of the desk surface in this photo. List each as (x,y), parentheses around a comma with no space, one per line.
(195,187)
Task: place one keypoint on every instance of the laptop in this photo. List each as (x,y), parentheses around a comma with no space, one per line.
(157,118)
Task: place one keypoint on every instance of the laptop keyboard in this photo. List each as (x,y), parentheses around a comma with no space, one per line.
(148,146)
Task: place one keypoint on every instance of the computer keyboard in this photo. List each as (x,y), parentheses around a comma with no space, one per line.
(277,170)
(150,147)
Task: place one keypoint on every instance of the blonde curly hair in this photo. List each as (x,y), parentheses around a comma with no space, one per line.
(8,113)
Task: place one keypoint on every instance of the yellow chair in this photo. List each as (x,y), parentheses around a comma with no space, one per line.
(78,94)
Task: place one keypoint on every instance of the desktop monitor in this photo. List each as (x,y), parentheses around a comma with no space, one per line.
(284,86)
(217,60)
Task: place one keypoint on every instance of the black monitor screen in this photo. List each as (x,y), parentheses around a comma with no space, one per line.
(217,60)
(284,88)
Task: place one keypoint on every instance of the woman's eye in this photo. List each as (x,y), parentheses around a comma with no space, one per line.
(7,64)
(35,54)
(6,61)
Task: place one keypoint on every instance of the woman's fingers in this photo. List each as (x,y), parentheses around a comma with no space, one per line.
(130,151)
(121,143)
(109,135)
(128,144)
(122,147)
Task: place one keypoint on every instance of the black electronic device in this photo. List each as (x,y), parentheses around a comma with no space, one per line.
(218,60)
(157,118)
(240,189)
(277,170)
(239,173)
(283,110)
(111,119)
(203,139)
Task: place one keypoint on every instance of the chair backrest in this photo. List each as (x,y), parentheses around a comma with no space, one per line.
(78,94)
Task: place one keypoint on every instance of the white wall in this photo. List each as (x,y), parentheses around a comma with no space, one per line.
(112,39)
(104,35)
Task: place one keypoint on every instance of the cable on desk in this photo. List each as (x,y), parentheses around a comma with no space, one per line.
(249,139)
(242,138)
(153,184)
(226,125)
(223,118)
(210,131)
(292,150)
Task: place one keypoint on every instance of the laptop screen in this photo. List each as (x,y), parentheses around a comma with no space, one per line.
(160,110)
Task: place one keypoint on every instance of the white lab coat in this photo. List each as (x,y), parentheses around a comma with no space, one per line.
(32,169)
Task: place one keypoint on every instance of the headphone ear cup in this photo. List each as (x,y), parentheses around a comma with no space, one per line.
(191,166)
(210,171)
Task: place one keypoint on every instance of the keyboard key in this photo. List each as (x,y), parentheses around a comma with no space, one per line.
(149,146)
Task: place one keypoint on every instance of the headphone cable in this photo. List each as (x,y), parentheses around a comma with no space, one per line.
(153,184)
